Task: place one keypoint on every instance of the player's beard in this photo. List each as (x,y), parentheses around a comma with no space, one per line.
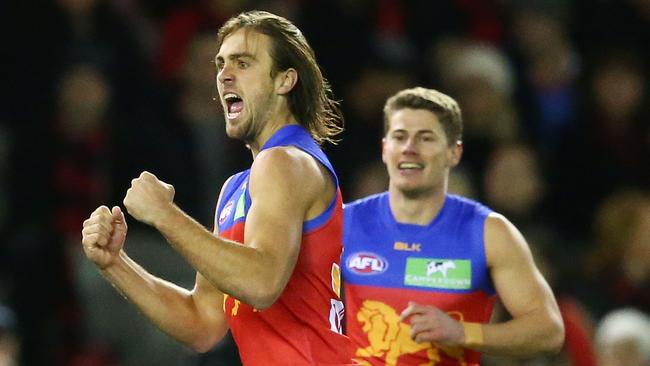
(249,130)
(419,191)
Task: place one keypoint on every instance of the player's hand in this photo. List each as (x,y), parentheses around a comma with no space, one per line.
(103,235)
(430,324)
(148,199)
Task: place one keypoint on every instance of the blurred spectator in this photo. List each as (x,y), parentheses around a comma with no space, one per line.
(370,178)
(623,338)
(549,68)
(514,183)
(5,150)
(48,36)
(61,172)
(627,26)
(578,348)
(340,31)
(481,78)
(610,146)
(41,294)
(364,101)
(116,334)
(390,39)
(481,21)
(200,115)
(617,271)
(81,158)
(80,176)
(92,31)
(462,183)
(9,339)
(183,23)
(142,25)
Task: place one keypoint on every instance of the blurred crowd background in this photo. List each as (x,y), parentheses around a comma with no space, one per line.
(555,96)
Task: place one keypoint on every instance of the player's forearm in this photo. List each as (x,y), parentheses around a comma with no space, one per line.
(169,307)
(535,333)
(240,271)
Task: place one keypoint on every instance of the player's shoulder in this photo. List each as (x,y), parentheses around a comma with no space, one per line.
(285,162)
(468,205)
(282,154)
(365,210)
(499,226)
(234,181)
(365,203)
(364,215)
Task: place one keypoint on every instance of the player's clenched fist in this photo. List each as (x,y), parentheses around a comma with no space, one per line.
(103,235)
(148,199)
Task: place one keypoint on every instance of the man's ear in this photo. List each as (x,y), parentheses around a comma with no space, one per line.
(286,80)
(455,153)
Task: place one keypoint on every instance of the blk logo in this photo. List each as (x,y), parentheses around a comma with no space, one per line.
(366,263)
(412,247)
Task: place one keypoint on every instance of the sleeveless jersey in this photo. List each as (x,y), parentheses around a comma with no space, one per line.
(303,327)
(386,264)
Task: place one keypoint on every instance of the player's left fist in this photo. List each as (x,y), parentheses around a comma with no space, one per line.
(149,199)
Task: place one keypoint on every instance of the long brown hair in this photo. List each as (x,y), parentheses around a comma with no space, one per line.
(310,101)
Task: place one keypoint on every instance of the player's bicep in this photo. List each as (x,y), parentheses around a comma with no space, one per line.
(209,303)
(281,194)
(519,284)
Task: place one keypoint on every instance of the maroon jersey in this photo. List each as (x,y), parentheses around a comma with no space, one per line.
(303,327)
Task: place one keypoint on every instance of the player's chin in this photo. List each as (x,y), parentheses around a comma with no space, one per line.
(412,190)
(234,129)
(407,184)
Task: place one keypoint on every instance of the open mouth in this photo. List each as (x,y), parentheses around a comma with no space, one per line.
(234,105)
(410,166)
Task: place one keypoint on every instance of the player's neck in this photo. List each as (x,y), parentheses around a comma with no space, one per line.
(274,122)
(418,209)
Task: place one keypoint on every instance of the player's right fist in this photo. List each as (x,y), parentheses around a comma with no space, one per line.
(103,235)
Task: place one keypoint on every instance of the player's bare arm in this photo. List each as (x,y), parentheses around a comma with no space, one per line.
(536,324)
(193,317)
(286,187)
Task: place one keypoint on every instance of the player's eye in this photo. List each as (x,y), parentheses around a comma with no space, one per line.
(398,136)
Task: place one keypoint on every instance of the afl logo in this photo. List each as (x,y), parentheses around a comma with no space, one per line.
(225,212)
(365,263)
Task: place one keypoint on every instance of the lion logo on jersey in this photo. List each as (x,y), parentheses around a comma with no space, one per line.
(390,338)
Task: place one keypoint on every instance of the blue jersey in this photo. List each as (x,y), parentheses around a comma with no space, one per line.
(386,264)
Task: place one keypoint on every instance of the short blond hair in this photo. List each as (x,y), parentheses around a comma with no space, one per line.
(440,104)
